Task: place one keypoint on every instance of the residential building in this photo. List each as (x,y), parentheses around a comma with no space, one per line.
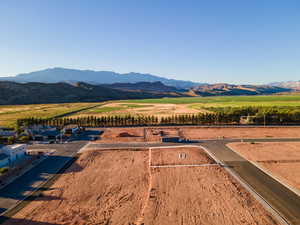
(6,132)
(13,152)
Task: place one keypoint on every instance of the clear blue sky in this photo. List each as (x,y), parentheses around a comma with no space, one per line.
(237,41)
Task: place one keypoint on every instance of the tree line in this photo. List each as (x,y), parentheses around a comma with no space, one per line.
(218,116)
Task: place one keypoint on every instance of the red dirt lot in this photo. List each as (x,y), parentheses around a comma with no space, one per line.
(240,132)
(115,135)
(179,156)
(282,159)
(201,195)
(154,134)
(197,195)
(118,187)
(101,188)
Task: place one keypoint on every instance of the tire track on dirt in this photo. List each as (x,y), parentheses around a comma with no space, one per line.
(140,219)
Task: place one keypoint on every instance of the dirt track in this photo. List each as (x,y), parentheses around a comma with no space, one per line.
(282,159)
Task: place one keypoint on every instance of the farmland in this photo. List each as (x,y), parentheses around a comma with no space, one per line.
(157,107)
(9,114)
(272,100)
(178,106)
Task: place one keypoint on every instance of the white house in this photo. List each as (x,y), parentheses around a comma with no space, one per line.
(13,152)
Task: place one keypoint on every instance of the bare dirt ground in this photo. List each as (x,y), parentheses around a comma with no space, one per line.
(141,134)
(198,195)
(93,191)
(282,159)
(114,135)
(160,110)
(179,156)
(119,188)
(240,132)
(202,195)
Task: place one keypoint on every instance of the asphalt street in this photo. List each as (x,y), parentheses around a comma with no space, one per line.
(23,186)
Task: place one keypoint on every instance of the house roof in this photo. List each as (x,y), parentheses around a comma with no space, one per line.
(3,156)
(15,146)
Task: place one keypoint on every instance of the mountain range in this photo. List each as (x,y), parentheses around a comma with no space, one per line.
(54,75)
(295,85)
(232,89)
(59,85)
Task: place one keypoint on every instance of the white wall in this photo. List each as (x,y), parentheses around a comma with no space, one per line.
(4,163)
(14,151)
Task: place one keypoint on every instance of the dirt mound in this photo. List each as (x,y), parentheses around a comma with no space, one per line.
(126,134)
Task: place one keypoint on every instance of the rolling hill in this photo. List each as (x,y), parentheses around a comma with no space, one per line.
(12,93)
(144,86)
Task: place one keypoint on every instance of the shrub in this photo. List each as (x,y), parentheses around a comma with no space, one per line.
(4,170)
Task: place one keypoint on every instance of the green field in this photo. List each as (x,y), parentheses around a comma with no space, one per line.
(158,107)
(228,100)
(9,114)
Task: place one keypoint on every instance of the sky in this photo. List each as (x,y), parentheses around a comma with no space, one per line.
(231,41)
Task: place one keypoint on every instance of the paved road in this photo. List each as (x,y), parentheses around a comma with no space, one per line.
(21,188)
(155,144)
(281,198)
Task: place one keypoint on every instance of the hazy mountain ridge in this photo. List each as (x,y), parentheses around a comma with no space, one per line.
(232,89)
(55,75)
(288,84)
